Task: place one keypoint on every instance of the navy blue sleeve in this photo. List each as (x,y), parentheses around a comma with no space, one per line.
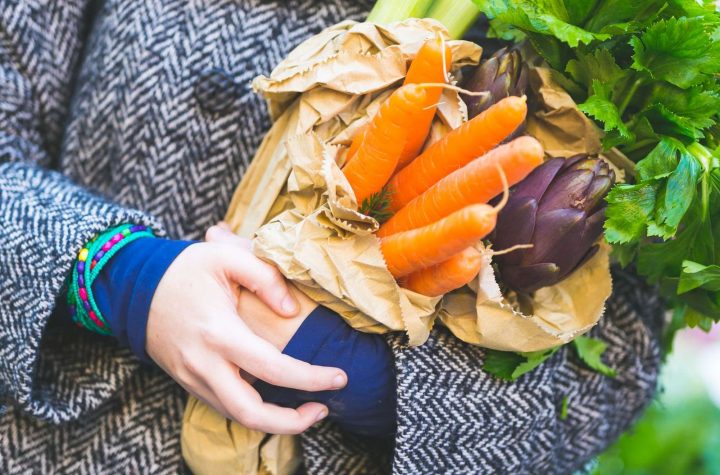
(125,287)
(366,406)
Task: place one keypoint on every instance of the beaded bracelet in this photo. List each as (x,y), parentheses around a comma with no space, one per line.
(90,261)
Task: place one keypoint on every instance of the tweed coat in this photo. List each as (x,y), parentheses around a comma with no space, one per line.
(141,111)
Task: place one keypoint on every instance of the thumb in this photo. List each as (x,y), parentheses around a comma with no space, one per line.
(221,233)
(262,279)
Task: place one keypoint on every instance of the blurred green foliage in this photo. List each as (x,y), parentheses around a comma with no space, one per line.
(683,439)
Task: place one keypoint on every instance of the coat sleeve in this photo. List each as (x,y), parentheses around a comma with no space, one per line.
(45,219)
(455,418)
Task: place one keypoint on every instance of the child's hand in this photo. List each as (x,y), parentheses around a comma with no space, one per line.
(195,334)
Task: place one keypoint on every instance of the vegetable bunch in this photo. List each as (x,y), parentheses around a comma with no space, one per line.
(436,201)
(647,71)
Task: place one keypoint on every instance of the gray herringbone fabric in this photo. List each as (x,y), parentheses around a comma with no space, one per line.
(146,105)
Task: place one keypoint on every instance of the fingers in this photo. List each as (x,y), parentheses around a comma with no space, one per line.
(262,279)
(262,360)
(221,233)
(243,404)
(254,274)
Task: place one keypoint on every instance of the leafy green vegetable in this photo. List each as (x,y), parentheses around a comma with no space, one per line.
(596,66)
(564,405)
(696,275)
(510,366)
(694,108)
(648,72)
(629,209)
(604,110)
(546,17)
(679,192)
(677,50)
(660,162)
(590,351)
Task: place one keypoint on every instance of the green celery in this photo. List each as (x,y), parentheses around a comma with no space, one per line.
(457,15)
(388,11)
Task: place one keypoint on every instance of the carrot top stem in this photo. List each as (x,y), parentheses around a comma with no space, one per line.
(506,189)
(450,87)
(444,56)
(516,247)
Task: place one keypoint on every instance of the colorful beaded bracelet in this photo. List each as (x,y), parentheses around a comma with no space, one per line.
(90,261)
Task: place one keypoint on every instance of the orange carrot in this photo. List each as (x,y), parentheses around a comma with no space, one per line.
(477,182)
(355,144)
(427,67)
(417,249)
(379,152)
(447,276)
(456,149)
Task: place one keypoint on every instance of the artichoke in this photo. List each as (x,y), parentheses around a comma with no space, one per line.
(503,74)
(559,209)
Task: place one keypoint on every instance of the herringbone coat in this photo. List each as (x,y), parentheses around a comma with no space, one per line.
(141,111)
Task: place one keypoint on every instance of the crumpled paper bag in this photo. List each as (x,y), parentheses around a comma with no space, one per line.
(555,315)
(213,445)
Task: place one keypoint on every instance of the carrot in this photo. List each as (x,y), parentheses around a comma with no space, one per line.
(456,149)
(447,276)
(477,182)
(417,249)
(385,138)
(355,144)
(427,67)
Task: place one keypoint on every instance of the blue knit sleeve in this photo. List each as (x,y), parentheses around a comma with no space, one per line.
(366,406)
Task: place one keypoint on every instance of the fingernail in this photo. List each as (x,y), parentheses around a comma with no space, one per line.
(288,304)
(321,415)
(339,381)
(224,225)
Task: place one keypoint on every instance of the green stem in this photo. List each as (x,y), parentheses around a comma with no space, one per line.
(388,11)
(706,159)
(703,155)
(629,96)
(638,145)
(456,15)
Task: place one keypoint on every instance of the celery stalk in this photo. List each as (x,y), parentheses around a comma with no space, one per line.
(456,15)
(388,11)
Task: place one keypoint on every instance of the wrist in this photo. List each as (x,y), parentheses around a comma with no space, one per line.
(114,279)
(91,261)
(267,324)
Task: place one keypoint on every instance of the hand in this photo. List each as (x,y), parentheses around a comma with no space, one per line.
(195,334)
(261,319)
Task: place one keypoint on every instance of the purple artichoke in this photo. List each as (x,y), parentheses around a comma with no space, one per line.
(503,74)
(559,209)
